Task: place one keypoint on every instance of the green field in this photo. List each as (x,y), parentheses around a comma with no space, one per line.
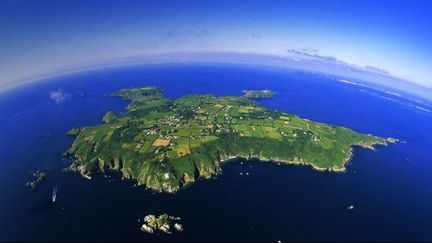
(163,143)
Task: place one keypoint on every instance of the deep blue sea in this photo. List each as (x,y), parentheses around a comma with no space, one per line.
(390,188)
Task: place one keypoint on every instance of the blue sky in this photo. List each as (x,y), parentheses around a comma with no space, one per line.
(41,37)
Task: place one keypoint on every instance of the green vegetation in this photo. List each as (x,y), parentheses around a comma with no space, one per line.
(38,177)
(258,93)
(137,93)
(164,144)
(74,132)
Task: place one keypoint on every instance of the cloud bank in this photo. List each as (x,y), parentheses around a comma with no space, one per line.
(58,96)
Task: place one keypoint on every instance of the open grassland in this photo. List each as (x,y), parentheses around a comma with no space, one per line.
(163,143)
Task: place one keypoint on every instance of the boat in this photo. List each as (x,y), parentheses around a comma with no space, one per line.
(54,194)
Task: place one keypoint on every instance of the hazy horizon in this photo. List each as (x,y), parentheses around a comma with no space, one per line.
(300,62)
(387,37)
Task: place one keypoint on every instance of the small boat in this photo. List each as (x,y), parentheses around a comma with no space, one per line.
(54,194)
(350,207)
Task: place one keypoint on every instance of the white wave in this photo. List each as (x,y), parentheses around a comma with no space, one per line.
(423,109)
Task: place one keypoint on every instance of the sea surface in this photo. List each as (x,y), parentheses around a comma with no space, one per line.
(390,188)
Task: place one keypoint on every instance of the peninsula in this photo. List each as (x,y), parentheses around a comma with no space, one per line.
(164,143)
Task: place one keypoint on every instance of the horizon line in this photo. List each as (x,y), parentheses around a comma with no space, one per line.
(198,57)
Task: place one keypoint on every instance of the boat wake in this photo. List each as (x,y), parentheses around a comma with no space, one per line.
(54,194)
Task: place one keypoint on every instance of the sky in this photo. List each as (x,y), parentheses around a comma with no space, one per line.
(43,37)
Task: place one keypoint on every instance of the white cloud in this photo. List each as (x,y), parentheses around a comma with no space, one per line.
(58,96)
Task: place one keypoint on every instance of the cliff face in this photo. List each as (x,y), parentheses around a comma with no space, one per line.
(164,144)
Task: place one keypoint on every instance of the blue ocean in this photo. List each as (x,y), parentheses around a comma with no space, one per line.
(390,188)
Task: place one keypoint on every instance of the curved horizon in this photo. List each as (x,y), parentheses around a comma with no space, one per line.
(389,37)
(118,116)
(300,62)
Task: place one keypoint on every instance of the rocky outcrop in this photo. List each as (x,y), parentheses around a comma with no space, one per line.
(38,177)
(163,223)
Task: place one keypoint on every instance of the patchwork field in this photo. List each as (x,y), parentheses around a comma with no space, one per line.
(164,144)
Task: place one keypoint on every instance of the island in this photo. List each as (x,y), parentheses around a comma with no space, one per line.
(165,144)
(163,223)
(38,177)
(258,93)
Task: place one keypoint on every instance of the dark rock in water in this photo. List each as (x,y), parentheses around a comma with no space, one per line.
(38,177)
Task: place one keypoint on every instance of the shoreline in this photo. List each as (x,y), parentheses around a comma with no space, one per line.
(296,162)
(300,162)
(231,158)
